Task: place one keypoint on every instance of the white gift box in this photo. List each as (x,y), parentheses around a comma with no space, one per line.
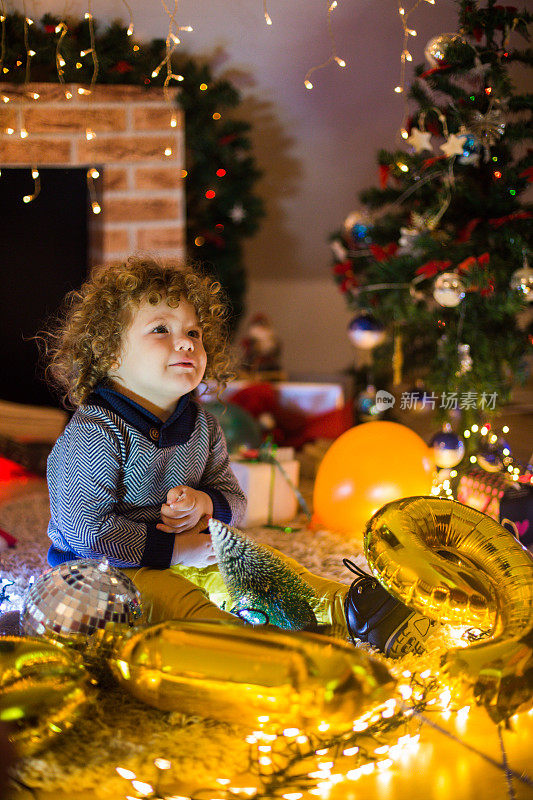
(271,499)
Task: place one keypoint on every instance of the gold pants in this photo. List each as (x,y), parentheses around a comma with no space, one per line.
(192,593)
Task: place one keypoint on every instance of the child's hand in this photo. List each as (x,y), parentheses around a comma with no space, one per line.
(184,509)
(193,550)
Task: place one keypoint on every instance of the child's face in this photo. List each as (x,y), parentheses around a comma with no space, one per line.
(162,355)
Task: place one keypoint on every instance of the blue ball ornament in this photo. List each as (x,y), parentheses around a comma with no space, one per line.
(492,455)
(448,448)
(358,226)
(471,150)
(365,332)
(366,405)
(361,233)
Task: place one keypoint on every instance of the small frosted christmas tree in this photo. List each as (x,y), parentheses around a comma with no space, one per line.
(440,253)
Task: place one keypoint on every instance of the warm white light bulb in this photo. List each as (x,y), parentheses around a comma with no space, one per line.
(130,29)
(308,84)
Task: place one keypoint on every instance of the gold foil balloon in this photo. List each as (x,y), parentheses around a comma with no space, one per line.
(43,687)
(238,674)
(367,466)
(456,565)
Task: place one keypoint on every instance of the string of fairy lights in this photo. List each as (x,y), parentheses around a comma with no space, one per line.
(62,30)
(291,763)
(172,41)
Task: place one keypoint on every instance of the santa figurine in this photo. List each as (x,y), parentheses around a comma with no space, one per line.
(261,348)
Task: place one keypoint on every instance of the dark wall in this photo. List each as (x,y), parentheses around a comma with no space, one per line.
(43,254)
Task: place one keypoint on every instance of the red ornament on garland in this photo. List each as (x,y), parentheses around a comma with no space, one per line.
(431,268)
(121,67)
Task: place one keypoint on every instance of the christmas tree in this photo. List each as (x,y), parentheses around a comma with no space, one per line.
(439,253)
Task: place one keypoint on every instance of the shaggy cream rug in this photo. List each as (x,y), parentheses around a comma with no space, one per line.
(117,730)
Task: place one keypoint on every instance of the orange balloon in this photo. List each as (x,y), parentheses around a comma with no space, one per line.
(368,466)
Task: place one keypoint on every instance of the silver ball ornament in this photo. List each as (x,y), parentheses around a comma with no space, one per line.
(435,49)
(81,603)
(522,281)
(466,361)
(448,290)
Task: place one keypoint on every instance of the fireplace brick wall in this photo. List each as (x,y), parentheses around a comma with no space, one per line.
(140,189)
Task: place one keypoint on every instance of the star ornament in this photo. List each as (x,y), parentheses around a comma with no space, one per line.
(454,145)
(420,140)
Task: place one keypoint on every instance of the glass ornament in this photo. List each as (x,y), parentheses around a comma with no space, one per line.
(522,281)
(494,454)
(448,290)
(448,448)
(357,225)
(365,332)
(471,150)
(435,49)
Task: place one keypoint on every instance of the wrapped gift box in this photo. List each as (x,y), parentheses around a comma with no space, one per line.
(483,491)
(271,499)
(516,505)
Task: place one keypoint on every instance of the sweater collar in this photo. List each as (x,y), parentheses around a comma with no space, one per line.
(177,429)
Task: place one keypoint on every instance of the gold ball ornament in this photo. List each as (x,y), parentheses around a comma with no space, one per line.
(43,688)
(367,466)
(86,604)
(457,566)
(238,673)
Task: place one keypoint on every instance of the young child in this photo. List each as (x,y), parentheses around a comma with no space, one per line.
(142,465)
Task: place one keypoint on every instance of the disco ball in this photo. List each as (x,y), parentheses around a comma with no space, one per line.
(83,603)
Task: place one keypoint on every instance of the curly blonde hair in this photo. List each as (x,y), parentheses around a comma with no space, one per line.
(87,337)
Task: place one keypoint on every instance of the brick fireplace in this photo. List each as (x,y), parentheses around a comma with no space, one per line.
(138,154)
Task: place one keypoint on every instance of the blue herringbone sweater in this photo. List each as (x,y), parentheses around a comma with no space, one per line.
(111,469)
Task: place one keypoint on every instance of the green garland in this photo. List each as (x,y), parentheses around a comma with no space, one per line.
(215,226)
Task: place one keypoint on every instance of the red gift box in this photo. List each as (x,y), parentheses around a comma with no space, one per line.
(483,491)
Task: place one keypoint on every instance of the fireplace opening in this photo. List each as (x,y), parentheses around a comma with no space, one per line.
(44,254)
